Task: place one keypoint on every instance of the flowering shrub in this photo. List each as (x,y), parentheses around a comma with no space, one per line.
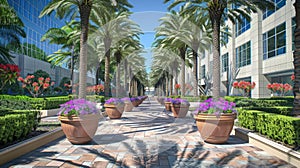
(217,107)
(114,101)
(282,89)
(35,88)
(95,89)
(77,107)
(180,101)
(245,86)
(8,74)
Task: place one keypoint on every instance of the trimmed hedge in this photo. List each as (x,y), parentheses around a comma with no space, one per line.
(96,98)
(283,110)
(17,124)
(27,103)
(277,127)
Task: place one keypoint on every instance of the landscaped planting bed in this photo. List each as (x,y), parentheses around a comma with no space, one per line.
(281,128)
(15,124)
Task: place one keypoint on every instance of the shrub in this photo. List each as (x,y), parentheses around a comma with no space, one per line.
(96,98)
(277,127)
(17,124)
(24,102)
(283,110)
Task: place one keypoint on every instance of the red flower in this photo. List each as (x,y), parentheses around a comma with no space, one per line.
(34,84)
(293,77)
(177,86)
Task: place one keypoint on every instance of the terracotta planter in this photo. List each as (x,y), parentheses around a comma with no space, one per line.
(128,107)
(179,110)
(80,130)
(215,129)
(168,106)
(113,111)
(135,103)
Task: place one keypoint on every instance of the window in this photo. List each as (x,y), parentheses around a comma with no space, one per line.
(241,27)
(278,4)
(202,71)
(274,42)
(224,62)
(203,54)
(243,55)
(224,36)
(293,33)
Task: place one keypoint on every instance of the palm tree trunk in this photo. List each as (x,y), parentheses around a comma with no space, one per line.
(216,57)
(171,84)
(107,44)
(167,85)
(125,76)
(195,72)
(182,55)
(72,67)
(118,80)
(296,107)
(84,10)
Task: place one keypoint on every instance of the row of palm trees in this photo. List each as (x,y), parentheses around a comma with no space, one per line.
(104,30)
(216,12)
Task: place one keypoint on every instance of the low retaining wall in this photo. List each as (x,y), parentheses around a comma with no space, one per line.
(276,149)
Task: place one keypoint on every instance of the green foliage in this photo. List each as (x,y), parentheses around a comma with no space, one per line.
(17,124)
(204,97)
(96,98)
(283,110)
(40,73)
(262,103)
(174,96)
(192,99)
(277,127)
(63,81)
(235,99)
(27,103)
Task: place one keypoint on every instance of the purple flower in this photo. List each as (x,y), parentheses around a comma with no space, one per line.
(114,101)
(180,101)
(216,107)
(77,107)
(168,99)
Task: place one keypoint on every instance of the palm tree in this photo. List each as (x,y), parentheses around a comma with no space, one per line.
(167,34)
(216,11)
(197,36)
(113,27)
(68,37)
(83,8)
(11,28)
(124,48)
(296,89)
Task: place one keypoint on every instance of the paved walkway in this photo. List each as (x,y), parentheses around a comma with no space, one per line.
(148,137)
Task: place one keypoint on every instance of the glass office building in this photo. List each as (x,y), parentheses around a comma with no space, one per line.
(35,27)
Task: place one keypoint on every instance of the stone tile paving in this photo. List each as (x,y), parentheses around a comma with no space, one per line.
(148,137)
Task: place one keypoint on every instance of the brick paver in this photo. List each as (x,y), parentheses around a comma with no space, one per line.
(148,137)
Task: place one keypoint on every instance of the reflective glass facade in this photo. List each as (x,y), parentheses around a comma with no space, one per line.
(35,27)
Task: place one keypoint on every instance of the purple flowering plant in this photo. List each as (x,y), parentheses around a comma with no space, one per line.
(217,107)
(114,101)
(134,99)
(180,101)
(168,99)
(77,107)
(126,100)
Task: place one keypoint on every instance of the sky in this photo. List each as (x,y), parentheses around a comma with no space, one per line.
(147,14)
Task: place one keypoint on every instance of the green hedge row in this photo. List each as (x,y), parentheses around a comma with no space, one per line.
(27,103)
(277,127)
(283,110)
(17,124)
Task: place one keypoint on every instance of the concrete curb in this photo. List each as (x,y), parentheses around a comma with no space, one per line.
(276,149)
(19,149)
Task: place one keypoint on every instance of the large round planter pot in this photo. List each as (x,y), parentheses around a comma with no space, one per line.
(128,107)
(215,129)
(135,103)
(168,106)
(113,111)
(179,110)
(80,130)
